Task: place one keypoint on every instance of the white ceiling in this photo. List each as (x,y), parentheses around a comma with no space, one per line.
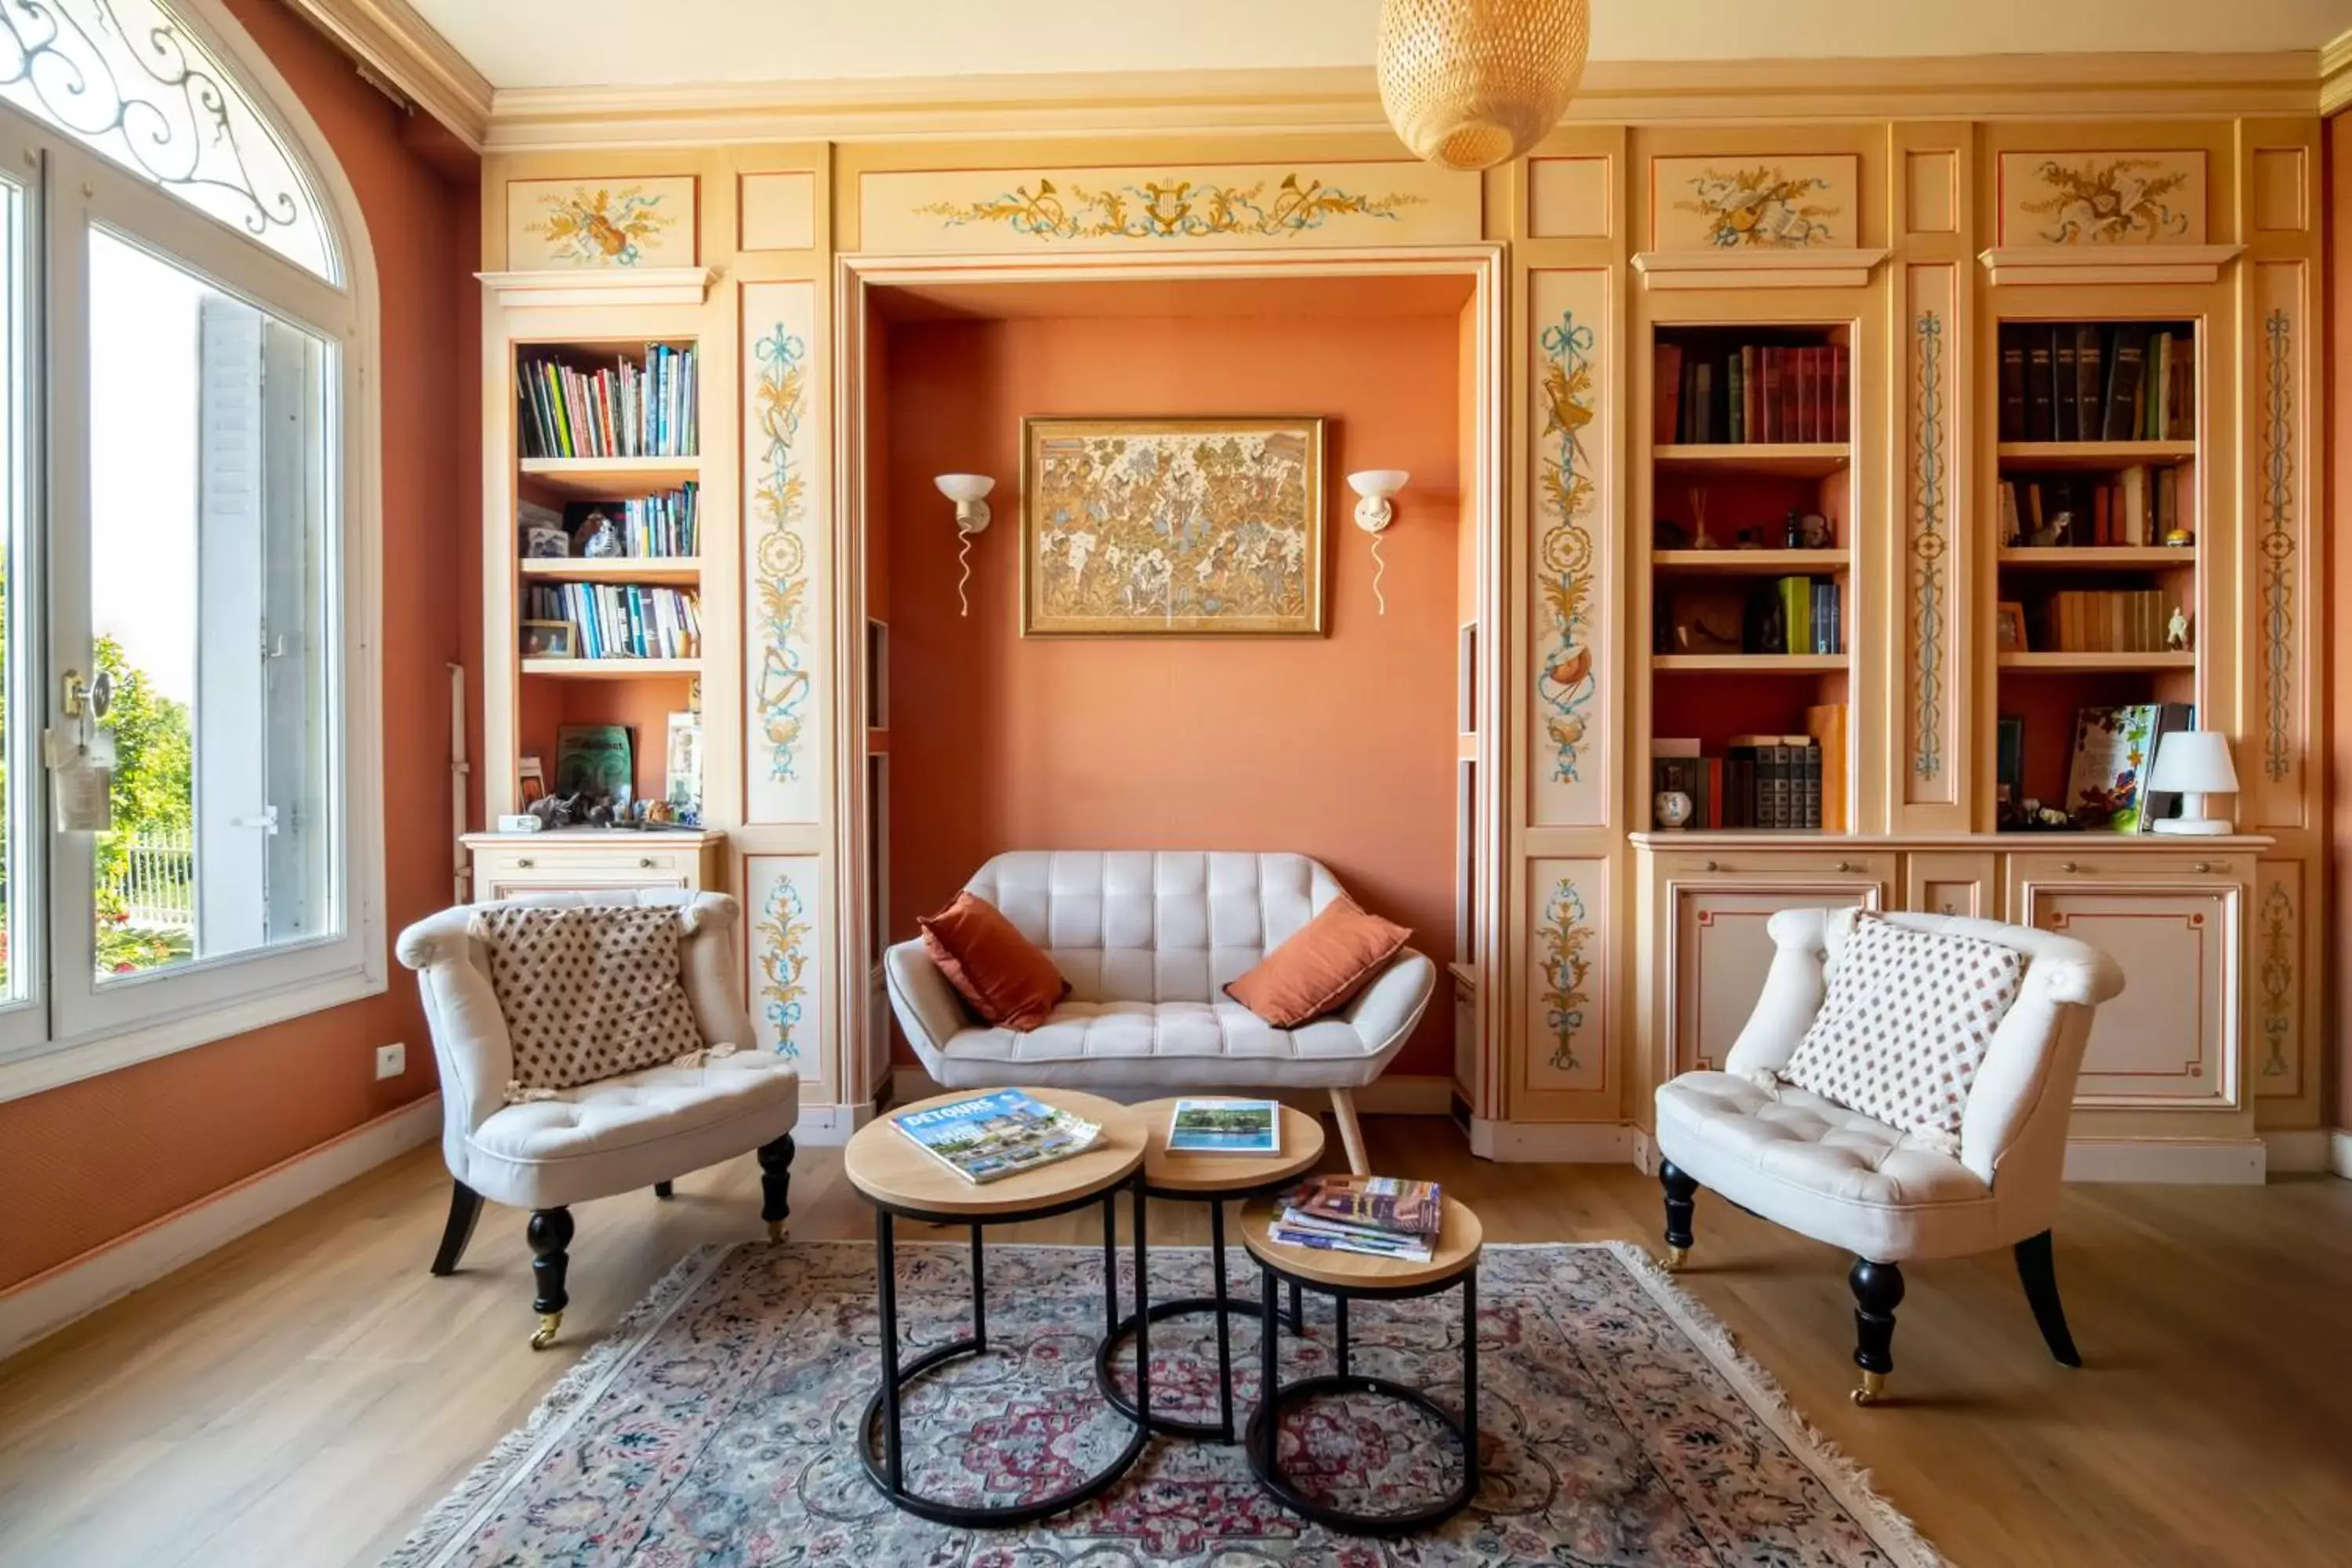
(583,43)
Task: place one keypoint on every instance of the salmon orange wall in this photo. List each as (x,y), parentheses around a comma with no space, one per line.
(93,1161)
(1339,747)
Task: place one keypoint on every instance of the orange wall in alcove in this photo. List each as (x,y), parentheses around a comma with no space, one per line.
(1340,747)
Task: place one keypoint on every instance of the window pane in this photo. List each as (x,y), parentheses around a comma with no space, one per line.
(16,798)
(210,447)
(126,79)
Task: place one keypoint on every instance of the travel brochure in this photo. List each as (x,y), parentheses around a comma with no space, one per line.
(1380,1217)
(997,1135)
(1225,1127)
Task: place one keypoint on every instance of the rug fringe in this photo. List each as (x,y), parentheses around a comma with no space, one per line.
(446,1524)
(1845,1476)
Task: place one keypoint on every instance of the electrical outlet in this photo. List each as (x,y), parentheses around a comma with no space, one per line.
(391,1060)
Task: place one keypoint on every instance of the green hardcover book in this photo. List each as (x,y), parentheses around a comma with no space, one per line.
(1796,613)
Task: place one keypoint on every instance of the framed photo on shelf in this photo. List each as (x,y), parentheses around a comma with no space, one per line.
(2010,768)
(548,639)
(1210,527)
(2009,629)
(532,777)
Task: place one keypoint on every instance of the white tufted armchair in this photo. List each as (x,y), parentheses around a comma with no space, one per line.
(1885,1194)
(1147,940)
(594,1140)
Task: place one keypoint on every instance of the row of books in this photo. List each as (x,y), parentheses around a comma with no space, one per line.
(1792,783)
(1751,393)
(622,620)
(1782,614)
(2107,620)
(1380,1217)
(629,410)
(2092,381)
(665,526)
(2140,505)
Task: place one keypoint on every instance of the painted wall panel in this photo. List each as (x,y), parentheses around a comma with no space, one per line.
(785,556)
(2280,611)
(1571,411)
(1569,1031)
(2102,198)
(781,895)
(1754,202)
(557,225)
(777,211)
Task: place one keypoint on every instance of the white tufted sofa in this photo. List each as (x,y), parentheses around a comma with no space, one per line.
(1882,1193)
(1147,940)
(640,1130)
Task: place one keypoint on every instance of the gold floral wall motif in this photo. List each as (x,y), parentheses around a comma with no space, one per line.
(1764,207)
(778,504)
(784,939)
(1566,680)
(2276,545)
(2102,198)
(563,224)
(1171,527)
(2277,923)
(779,386)
(1566,970)
(1169,208)
(1930,544)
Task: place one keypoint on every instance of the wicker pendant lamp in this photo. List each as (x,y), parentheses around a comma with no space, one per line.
(1473,83)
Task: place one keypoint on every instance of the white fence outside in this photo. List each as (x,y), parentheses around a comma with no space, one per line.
(158,885)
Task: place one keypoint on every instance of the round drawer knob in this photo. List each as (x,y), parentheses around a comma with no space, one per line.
(1846,865)
(2068,866)
(1713,867)
(2203,867)
(525,864)
(644,862)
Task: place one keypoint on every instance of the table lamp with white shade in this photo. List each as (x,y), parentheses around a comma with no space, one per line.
(2193,763)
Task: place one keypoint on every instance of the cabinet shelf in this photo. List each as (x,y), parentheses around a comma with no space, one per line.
(2105,557)
(1751,663)
(611,479)
(1791,459)
(609,669)
(2049,456)
(2098,661)
(1751,563)
(666,568)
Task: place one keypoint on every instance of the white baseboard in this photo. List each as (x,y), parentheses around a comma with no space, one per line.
(824,1126)
(1398,1094)
(81,1286)
(2299,1151)
(1556,1143)
(2339,1152)
(2208,1161)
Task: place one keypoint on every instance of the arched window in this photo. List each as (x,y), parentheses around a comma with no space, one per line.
(187,477)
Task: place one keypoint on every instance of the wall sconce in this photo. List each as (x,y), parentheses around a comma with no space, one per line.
(970,493)
(1374,513)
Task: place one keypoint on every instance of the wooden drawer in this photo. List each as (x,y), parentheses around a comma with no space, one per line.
(1769,862)
(1940,882)
(2093,862)
(506,867)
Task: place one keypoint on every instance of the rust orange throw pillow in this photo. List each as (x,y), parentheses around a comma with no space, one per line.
(1325,961)
(1007,978)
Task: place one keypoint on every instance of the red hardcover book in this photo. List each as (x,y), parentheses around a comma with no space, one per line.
(1838,397)
(1667,395)
(2102,526)
(1825,395)
(1801,421)
(1771,358)
(1751,393)
(1715,792)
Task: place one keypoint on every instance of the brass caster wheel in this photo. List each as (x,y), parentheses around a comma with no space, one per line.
(1873,1383)
(547,1323)
(1675,1258)
(775,1232)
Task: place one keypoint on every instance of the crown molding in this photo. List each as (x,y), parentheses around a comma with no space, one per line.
(1344,100)
(2106,265)
(2335,73)
(601,286)
(392,41)
(1762,267)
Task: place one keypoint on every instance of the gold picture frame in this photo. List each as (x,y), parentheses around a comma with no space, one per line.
(1099,557)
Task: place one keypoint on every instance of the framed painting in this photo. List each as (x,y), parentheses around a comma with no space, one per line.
(1210,527)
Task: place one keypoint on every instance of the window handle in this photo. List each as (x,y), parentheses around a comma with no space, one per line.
(267,821)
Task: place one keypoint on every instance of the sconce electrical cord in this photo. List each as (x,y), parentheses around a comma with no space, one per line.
(963,558)
(1378,567)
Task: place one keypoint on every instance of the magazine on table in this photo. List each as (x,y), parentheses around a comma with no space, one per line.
(997,1135)
(1379,1217)
(1225,1127)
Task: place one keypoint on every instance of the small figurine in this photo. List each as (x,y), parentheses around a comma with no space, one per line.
(1698,520)
(600,814)
(2175,632)
(1672,808)
(599,539)
(2179,539)
(661,812)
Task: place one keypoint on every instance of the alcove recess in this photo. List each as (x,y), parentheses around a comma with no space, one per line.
(1751,562)
(1358,747)
(2098,458)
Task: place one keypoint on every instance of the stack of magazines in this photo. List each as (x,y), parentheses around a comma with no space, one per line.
(997,1134)
(1378,1215)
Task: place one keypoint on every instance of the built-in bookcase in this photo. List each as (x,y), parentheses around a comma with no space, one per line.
(622,444)
(1750,560)
(2095,532)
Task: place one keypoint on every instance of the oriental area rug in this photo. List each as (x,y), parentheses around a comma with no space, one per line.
(718,1426)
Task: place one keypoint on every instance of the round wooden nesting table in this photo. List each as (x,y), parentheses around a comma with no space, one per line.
(904,1181)
(1215,1180)
(1347,1277)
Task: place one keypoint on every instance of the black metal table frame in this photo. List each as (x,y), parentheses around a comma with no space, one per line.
(1224,1304)
(1263,1435)
(887,1473)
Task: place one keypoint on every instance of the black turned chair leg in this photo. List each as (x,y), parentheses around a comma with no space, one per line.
(2040,1277)
(776,1185)
(1877,1291)
(550,1233)
(1682,1194)
(665,1191)
(464,1208)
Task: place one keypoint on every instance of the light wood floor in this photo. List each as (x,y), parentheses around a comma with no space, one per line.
(300,1398)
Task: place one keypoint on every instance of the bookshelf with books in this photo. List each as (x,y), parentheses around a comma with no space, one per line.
(1752,494)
